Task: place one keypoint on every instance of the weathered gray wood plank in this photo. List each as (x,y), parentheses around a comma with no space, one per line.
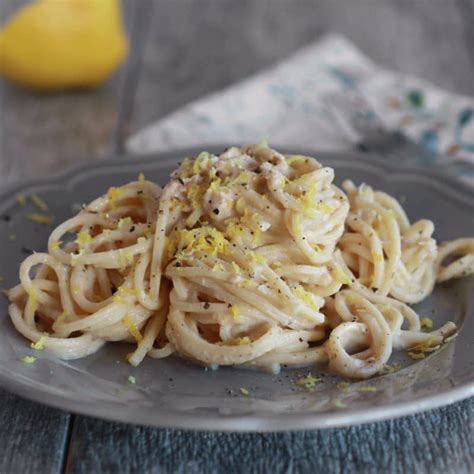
(198,47)
(33,437)
(411,444)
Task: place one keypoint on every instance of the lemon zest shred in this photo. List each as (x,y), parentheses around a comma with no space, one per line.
(290,159)
(38,202)
(219,267)
(238,341)
(340,276)
(131,379)
(426,323)
(119,296)
(297,224)
(262,145)
(367,389)
(323,207)
(28,360)
(141,180)
(256,257)
(83,238)
(113,194)
(246,283)
(55,245)
(343,386)
(40,218)
(32,301)
(244,391)
(305,296)
(429,345)
(125,222)
(125,258)
(390,368)
(39,344)
(61,318)
(132,329)
(309,381)
(416,355)
(235,312)
(339,404)
(20,199)
(235,267)
(377,257)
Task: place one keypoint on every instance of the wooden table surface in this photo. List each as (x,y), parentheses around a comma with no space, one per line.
(182,49)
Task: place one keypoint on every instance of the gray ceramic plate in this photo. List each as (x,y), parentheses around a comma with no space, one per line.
(173,392)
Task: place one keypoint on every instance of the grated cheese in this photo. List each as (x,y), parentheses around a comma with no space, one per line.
(131,379)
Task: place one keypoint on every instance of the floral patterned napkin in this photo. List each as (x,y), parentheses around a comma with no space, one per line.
(328,95)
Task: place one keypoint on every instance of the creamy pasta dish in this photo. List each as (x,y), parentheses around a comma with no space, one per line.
(250,258)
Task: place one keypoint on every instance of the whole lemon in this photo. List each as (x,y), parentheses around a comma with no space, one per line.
(63,44)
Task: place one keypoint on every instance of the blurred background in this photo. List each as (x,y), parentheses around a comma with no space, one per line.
(180,50)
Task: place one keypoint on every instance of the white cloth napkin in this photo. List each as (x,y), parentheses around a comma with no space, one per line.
(328,95)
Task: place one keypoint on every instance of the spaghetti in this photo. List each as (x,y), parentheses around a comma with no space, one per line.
(250,258)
